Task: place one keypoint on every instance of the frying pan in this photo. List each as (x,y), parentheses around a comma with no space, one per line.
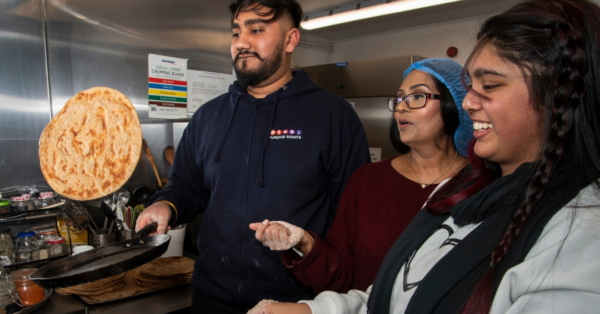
(104,261)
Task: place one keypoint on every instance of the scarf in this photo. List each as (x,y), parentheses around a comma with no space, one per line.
(449,284)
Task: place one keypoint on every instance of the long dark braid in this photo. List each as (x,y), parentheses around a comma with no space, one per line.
(551,50)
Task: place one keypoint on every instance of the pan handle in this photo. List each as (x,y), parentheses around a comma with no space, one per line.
(149,228)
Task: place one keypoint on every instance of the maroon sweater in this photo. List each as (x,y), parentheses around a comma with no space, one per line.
(376,206)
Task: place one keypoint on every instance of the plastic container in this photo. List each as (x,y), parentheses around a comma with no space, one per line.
(4,206)
(175,247)
(29,292)
(45,199)
(56,247)
(82,248)
(7,249)
(21,203)
(26,246)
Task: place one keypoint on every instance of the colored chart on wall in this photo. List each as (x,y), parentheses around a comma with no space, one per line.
(167,87)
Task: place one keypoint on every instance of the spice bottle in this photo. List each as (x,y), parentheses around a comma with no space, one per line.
(56,247)
(45,199)
(21,203)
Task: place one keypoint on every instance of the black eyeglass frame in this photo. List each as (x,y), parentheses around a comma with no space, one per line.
(398,99)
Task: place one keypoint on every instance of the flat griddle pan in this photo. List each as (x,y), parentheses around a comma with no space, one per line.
(104,261)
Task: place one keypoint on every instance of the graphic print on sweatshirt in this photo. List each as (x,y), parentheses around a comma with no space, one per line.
(444,239)
(288,134)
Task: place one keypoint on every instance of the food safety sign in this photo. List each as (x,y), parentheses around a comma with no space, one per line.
(204,86)
(167,87)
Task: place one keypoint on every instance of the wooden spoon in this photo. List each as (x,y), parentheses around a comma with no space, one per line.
(170,154)
(149,155)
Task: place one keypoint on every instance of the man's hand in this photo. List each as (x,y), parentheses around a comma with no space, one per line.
(274,307)
(159,212)
(281,236)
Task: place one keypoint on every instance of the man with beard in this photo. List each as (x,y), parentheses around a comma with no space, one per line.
(276,145)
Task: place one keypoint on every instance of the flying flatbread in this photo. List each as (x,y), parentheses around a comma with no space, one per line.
(91,147)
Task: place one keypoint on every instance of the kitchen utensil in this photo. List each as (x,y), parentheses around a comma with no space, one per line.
(110,214)
(33,308)
(104,261)
(26,216)
(122,198)
(140,195)
(149,155)
(104,238)
(127,234)
(89,218)
(53,205)
(169,154)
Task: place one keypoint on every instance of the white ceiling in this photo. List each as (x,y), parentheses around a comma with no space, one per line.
(214,15)
(205,24)
(442,13)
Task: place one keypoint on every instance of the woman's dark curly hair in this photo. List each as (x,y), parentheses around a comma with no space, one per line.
(555,43)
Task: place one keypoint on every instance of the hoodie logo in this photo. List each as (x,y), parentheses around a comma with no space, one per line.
(286,134)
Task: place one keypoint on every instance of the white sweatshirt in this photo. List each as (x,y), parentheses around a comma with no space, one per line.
(560,274)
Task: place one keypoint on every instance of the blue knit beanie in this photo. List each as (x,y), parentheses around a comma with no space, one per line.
(449,73)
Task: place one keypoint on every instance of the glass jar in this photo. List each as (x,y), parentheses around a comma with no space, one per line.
(8,292)
(4,206)
(7,249)
(56,247)
(29,292)
(45,199)
(21,203)
(26,246)
(43,238)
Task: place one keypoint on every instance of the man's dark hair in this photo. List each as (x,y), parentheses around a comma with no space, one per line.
(278,8)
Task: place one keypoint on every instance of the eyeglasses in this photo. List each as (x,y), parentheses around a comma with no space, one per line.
(413,101)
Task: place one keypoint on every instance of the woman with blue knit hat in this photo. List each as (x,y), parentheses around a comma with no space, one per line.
(431,131)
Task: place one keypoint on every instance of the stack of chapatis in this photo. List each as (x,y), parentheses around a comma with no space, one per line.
(98,287)
(165,272)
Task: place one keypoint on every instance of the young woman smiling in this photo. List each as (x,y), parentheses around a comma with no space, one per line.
(431,131)
(520,234)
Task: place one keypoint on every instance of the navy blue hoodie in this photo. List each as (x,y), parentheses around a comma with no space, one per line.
(240,160)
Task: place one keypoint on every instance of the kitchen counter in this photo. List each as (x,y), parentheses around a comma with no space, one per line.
(158,302)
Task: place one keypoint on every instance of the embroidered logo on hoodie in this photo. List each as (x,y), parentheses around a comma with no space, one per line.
(286,134)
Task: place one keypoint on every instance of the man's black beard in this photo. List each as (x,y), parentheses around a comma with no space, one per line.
(267,67)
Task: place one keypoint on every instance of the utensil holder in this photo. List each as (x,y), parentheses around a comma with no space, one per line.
(176,244)
(101,239)
(126,234)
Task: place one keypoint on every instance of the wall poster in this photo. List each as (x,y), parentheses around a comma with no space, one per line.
(204,86)
(167,87)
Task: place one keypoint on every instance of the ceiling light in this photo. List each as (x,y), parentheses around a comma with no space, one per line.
(371,11)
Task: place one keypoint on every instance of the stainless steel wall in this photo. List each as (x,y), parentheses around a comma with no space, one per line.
(24,102)
(367,85)
(106,43)
(95,43)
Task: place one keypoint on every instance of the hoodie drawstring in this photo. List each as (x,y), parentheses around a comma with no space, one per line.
(261,179)
(218,157)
